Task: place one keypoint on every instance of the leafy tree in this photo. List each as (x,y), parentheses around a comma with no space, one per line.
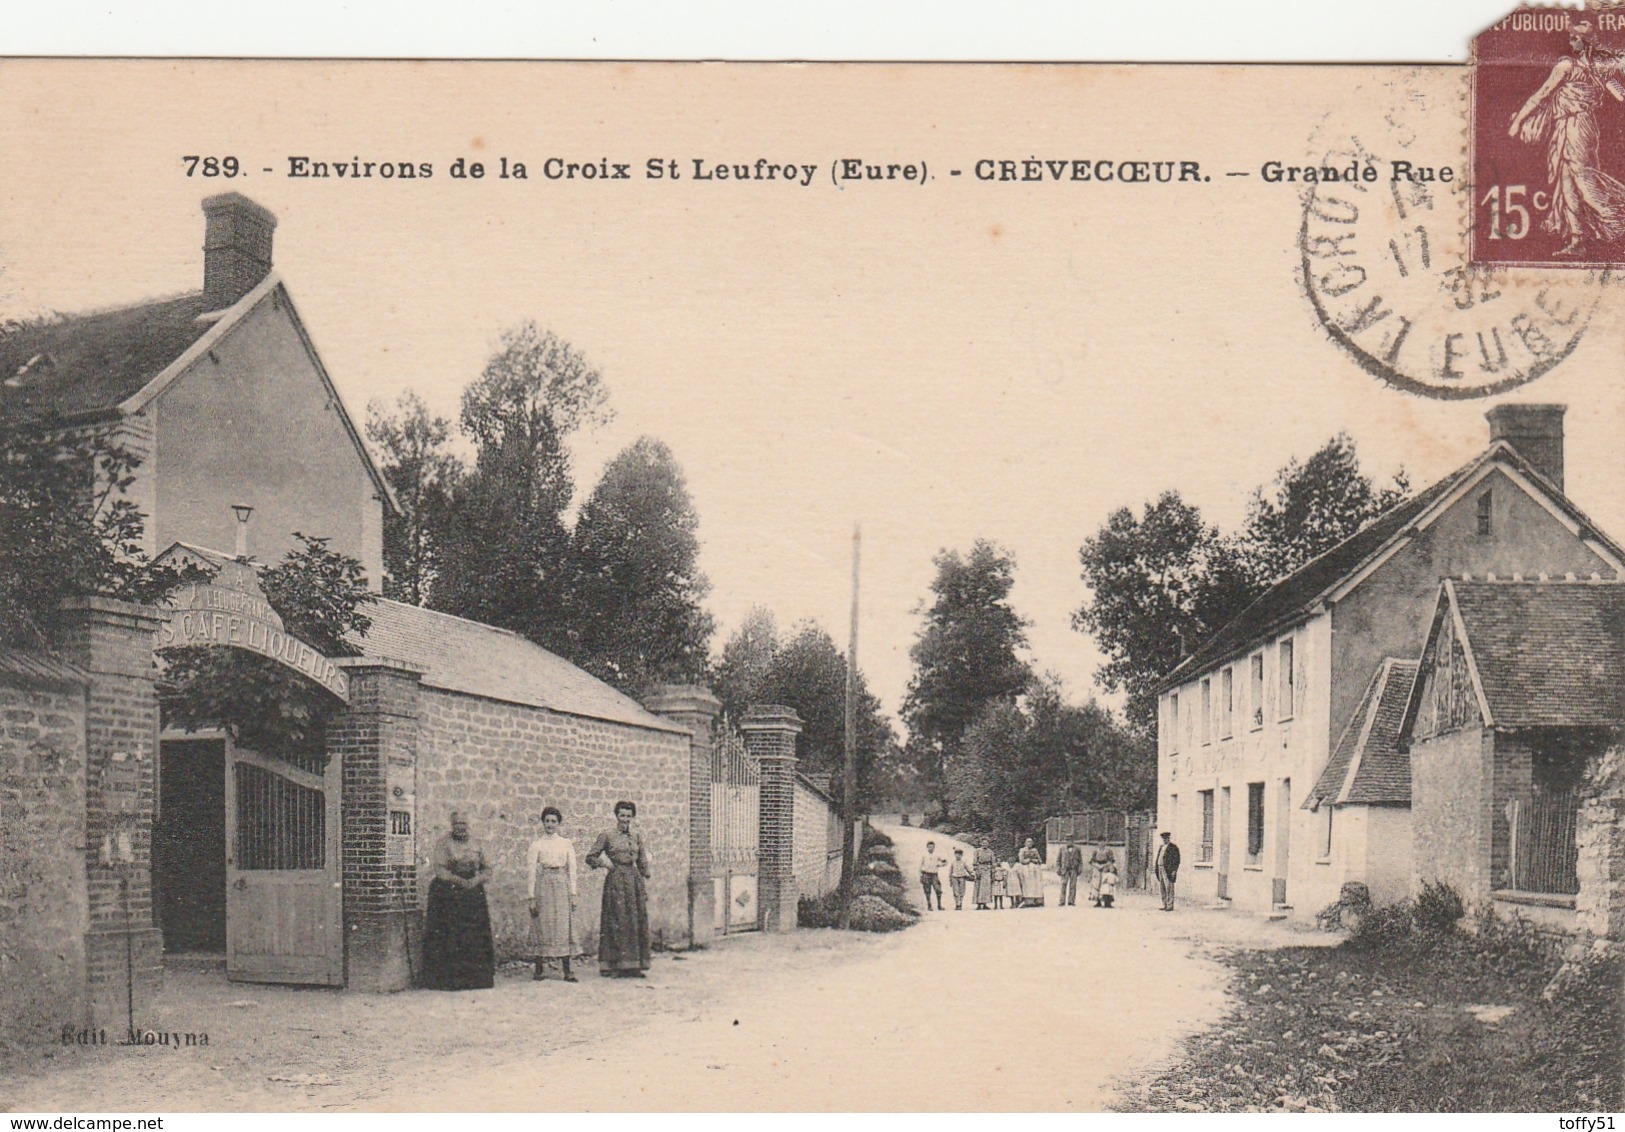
(635,616)
(1158,585)
(423,475)
(967,655)
(506,557)
(741,677)
(321,596)
(67,528)
(1312,506)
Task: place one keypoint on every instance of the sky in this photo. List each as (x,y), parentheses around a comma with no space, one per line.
(938,362)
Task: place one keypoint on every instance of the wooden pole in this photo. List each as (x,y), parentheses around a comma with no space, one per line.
(849,777)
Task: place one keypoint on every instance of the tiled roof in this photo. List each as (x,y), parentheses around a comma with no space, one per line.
(1547,654)
(1367,765)
(32,670)
(87,364)
(480,660)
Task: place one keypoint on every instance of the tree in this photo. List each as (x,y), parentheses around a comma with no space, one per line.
(321,596)
(67,528)
(1158,585)
(1311,507)
(423,474)
(634,615)
(740,678)
(507,551)
(967,654)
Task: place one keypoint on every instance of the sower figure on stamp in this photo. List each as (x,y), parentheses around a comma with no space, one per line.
(1588,205)
(1071,868)
(1166,868)
(553,896)
(623,924)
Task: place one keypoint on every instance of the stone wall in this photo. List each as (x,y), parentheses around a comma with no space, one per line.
(500,764)
(44,909)
(1452,803)
(1600,906)
(817,843)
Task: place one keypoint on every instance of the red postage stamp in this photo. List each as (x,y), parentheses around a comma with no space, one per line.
(1548,119)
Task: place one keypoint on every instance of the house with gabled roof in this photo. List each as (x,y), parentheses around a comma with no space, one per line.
(1519,697)
(1279,767)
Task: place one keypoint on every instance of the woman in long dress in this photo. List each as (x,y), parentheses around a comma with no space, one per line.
(457,949)
(552,896)
(1030,867)
(984,877)
(623,924)
(1588,205)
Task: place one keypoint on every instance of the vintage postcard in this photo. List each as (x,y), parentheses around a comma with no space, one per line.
(532,586)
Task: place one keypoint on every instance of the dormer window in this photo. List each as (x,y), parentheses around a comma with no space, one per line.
(1486,520)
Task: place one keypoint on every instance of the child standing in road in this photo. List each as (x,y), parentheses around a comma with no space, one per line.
(1108,883)
(959,875)
(1001,883)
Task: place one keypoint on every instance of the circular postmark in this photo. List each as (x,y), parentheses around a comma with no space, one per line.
(1383,261)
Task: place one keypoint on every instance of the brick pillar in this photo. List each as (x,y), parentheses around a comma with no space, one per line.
(377,739)
(770,736)
(111,643)
(696,709)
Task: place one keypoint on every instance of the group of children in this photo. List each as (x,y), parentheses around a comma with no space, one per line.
(961,876)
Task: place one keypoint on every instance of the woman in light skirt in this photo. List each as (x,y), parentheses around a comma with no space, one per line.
(552,896)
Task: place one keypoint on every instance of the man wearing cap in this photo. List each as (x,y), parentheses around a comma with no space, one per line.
(931,874)
(1166,868)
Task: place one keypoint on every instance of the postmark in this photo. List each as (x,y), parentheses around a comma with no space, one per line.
(1548,116)
(1382,258)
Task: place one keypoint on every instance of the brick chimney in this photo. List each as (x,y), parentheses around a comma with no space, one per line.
(236,248)
(1536,432)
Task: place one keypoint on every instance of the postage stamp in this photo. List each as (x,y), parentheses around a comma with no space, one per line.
(1547,118)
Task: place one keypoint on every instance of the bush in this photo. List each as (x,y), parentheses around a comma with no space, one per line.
(873,837)
(891,893)
(932,815)
(881,853)
(871,911)
(1438,907)
(872,914)
(885,869)
(1385,928)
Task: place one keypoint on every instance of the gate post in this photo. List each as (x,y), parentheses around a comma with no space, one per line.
(695,708)
(770,736)
(111,642)
(376,738)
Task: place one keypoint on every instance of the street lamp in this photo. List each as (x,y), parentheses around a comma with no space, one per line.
(242,511)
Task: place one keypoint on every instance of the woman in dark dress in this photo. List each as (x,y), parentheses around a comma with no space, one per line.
(457,950)
(623,925)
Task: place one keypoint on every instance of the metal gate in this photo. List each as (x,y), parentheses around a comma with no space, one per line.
(735,825)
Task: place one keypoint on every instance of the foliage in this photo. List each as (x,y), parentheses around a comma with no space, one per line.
(67,528)
(1162,583)
(741,677)
(966,656)
(321,596)
(423,474)
(635,617)
(1438,907)
(506,557)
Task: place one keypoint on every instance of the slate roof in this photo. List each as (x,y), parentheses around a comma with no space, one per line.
(1547,654)
(1290,600)
(458,655)
(33,670)
(1367,765)
(86,365)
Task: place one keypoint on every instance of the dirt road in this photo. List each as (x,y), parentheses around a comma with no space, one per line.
(1035,1009)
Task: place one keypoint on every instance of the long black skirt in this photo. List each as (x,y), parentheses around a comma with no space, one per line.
(623,925)
(457,949)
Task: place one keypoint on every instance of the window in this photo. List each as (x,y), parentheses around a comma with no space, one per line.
(1255,699)
(1326,811)
(1207,711)
(1288,680)
(1486,519)
(1255,822)
(1227,703)
(1207,824)
(1173,723)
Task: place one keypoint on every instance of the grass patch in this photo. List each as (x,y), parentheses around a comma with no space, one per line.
(1430,1020)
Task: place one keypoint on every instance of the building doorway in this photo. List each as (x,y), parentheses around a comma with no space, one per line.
(189,846)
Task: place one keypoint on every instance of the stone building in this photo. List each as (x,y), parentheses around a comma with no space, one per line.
(1278,771)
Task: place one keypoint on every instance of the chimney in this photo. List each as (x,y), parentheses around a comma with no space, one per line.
(1536,432)
(236,248)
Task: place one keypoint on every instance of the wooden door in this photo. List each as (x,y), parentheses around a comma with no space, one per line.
(283,898)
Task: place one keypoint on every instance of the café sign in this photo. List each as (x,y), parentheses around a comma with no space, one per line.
(231,610)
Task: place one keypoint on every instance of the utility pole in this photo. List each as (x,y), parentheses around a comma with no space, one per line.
(849,776)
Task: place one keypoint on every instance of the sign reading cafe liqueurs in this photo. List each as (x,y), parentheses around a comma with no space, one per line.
(231,610)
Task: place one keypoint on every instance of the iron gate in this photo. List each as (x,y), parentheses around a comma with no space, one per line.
(735,826)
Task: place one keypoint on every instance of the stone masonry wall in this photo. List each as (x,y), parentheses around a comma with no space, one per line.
(817,843)
(500,764)
(1452,802)
(1600,837)
(44,911)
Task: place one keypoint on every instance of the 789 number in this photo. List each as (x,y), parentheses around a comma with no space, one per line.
(212,166)
(1509,219)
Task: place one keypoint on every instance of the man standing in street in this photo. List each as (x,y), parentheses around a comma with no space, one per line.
(1071,867)
(1166,867)
(930,874)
